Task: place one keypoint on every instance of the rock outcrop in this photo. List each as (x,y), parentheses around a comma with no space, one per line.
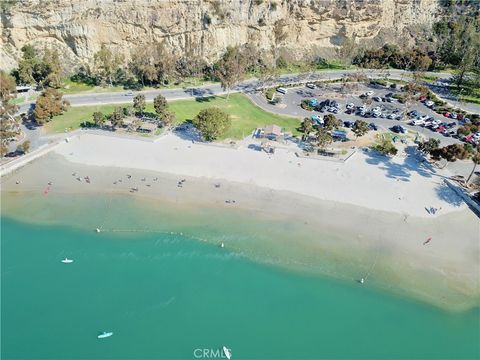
(206,27)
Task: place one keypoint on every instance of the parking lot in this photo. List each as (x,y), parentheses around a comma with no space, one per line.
(290,105)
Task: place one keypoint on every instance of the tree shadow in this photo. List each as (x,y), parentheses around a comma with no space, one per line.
(198,92)
(203,99)
(448,195)
(187,131)
(413,163)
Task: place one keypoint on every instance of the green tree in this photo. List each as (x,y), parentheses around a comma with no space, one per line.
(360,128)
(98,118)
(139,103)
(331,122)
(9,126)
(160,104)
(385,147)
(117,117)
(48,105)
(450,153)
(324,138)
(143,63)
(212,123)
(161,108)
(106,64)
(43,71)
(306,127)
(26,65)
(24,147)
(231,68)
(476,161)
(53,72)
(428,146)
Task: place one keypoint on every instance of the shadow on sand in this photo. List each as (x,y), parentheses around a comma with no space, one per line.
(413,163)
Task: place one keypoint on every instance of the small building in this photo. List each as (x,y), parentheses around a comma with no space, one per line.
(272,132)
(147,127)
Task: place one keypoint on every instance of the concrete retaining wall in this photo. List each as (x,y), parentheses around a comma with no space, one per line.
(24,160)
(464,195)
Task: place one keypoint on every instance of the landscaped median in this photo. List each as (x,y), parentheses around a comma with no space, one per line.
(245,115)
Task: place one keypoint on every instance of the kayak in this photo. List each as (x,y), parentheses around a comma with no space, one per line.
(105,335)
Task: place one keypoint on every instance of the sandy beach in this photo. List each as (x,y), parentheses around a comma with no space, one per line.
(369,213)
(396,185)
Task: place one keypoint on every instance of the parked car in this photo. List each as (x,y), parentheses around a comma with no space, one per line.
(373,126)
(350,106)
(377,98)
(130,93)
(347,124)
(282,90)
(429,103)
(398,129)
(453,115)
(417,122)
(369,93)
(446,114)
(311,86)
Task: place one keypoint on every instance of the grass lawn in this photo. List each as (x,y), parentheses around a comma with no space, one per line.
(245,115)
(71,87)
(75,116)
(468,94)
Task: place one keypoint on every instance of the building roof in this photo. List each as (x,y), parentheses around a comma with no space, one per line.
(148,127)
(273,129)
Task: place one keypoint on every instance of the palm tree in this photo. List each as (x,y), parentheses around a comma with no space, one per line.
(476,160)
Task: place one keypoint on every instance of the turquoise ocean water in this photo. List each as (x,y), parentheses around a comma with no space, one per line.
(165,295)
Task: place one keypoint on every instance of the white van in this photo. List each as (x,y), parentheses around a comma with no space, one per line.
(282,90)
(417,122)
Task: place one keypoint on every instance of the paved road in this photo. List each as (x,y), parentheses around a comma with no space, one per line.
(215,89)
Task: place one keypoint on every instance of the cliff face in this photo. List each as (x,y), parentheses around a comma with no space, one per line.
(300,27)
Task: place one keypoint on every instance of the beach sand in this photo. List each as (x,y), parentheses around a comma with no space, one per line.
(364,218)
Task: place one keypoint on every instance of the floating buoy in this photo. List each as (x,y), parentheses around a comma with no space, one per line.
(222,245)
(97,230)
(362,280)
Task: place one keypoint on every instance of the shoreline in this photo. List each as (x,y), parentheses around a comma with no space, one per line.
(399,184)
(300,232)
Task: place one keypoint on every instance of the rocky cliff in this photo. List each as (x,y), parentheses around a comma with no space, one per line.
(206,27)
